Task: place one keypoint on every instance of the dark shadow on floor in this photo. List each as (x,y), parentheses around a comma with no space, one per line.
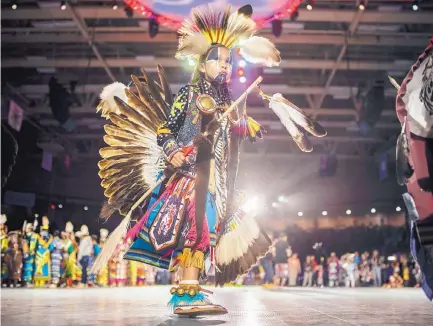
(180,321)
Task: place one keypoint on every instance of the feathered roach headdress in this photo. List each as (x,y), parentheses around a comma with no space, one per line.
(208,26)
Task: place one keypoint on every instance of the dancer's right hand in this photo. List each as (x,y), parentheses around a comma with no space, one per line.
(178,159)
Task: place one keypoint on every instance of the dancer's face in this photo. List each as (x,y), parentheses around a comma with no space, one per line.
(217,67)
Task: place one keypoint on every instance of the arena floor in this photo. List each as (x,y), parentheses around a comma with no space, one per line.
(249,306)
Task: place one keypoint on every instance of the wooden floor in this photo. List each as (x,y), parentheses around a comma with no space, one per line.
(249,306)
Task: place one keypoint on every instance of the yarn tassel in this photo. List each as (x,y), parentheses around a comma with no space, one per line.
(249,128)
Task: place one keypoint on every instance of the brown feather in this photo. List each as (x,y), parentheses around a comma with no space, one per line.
(128,195)
(161,107)
(302,141)
(142,92)
(119,141)
(113,130)
(105,174)
(133,115)
(168,95)
(120,178)
(127,125)
(107,152)
(122,164)
(118,186)
(108,163)
(108,210)
(142,108)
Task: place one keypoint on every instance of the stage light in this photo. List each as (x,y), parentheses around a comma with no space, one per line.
(242,63)
(241,71)
(191,62)
(300,214)
(242,79)
(53,207)
(36,215)
(415,6)
(348,212)
(274,205)
(310,4)
(115,7)
(361,7)
(14,6)
(60,206)
(63,5)
(277,27)
(324,213)
(129,12)
(309,7)
(398,208)
(252,205)
(86,208)
(281,199)
(373,210)
(153,28)
(294,16)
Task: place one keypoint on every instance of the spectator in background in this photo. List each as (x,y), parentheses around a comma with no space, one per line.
(356,258)
(308,272)
(294,269)
(365,272)
(395,281)
(319,270)
(281,266)
(405,270)
(268,268)
(376,268)
(350,267)
(333,267)
(85,252)
(417,275)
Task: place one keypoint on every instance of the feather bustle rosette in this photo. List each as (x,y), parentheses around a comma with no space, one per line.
(129,164)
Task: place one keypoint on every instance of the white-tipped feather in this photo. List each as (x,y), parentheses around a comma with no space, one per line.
(193,45)
(107,95)
(235,243)
(259,50)
(283,113)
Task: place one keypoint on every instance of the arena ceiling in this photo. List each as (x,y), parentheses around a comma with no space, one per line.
(328,53)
